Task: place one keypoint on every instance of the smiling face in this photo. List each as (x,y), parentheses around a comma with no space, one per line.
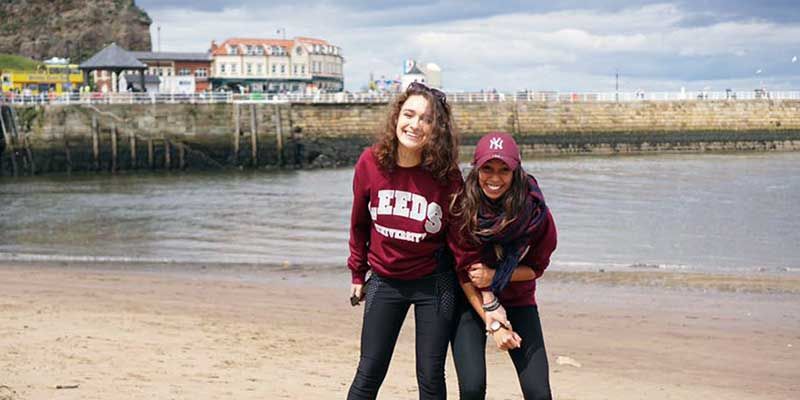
(494,178)
(414,126)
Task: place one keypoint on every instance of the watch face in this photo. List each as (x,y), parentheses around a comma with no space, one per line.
(495,325)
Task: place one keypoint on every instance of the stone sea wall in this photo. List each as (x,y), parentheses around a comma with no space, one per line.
(200,136)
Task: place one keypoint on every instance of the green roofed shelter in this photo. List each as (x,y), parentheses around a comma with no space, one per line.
(116,60)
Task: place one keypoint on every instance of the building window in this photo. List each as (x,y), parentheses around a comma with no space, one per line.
(233,69)
(249,69)
(222,69)
(184,72)
(231,50)
(283,69)
(259,67)
(303,69)
(273,68)
(201,73)
(294,69)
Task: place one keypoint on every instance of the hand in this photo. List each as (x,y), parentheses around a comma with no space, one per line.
(506,339)
(356,292)
(480,275)
(497,315)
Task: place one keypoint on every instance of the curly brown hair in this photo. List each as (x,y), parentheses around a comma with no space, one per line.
(440,150)
(466,204)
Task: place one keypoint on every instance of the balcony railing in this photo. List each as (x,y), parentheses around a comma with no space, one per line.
(383,97)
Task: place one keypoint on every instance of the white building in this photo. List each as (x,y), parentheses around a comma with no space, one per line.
(429,74)
(276,65)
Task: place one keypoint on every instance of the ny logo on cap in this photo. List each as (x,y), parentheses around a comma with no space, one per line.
(496,144)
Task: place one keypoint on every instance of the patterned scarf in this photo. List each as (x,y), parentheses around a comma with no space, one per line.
(514,238)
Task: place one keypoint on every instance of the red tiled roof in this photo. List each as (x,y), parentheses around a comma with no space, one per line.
(311,40)
(285,43)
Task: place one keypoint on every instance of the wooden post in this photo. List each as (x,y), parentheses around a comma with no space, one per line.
(150,160)
(29,152)
(95,144)
(9,143)
(181,156)
(113,147)
(24,160)
(68,156)
(236,134)
(279,133)
(253,135)
(132,139)
(167,155)
(27,158)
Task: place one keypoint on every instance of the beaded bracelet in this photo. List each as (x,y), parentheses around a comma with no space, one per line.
(491,306)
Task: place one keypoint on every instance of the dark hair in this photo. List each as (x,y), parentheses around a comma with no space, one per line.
(440,150)
(467,203)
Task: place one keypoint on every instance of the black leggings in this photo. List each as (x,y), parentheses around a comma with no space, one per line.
(530,360)
(386,306)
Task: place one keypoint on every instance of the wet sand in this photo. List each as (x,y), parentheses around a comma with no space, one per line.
(219,332)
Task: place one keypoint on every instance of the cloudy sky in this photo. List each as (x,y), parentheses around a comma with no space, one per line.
(565,45)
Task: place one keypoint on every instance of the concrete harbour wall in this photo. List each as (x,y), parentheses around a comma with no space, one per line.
(199,136)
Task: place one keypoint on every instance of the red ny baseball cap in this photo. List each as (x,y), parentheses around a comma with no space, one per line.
(500,145)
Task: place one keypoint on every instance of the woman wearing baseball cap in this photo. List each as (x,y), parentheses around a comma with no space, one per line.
(502,214)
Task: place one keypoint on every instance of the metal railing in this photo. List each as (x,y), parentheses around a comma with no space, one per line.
(382,97)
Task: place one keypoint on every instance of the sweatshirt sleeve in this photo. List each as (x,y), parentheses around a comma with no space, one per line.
(538,256)
(360,223)
(464,253)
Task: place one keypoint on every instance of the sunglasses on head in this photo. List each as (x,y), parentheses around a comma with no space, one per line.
(438,94)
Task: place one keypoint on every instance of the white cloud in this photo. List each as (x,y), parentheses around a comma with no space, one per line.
(557,50)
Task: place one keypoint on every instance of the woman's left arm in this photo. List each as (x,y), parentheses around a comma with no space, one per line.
(538,257)
(481,275)
(531,266)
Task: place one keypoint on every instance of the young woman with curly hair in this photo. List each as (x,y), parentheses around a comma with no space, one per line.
(503,214)
(399,226)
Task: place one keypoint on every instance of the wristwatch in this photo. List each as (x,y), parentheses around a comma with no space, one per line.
(495,326)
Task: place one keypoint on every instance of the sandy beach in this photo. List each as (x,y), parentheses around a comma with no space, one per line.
(208,332)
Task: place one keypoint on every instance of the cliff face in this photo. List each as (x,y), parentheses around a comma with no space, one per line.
(77,29)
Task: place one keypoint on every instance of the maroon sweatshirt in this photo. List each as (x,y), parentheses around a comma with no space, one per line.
(522,293)
(399,220)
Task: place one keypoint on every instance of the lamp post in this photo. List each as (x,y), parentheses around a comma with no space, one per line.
(67,82)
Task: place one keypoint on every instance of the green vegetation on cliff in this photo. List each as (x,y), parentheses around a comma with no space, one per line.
(17,63)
